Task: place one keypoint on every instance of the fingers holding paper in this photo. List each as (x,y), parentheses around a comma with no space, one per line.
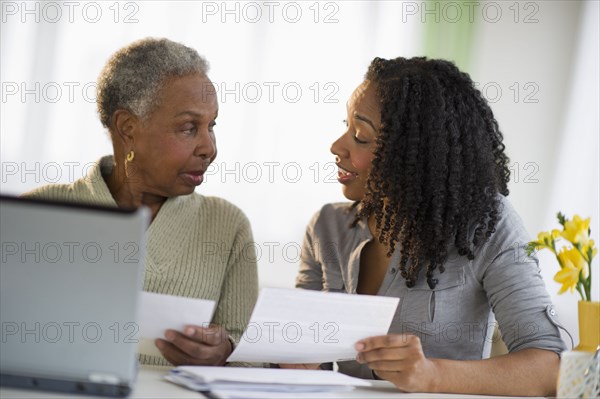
(208,346)
(399,359)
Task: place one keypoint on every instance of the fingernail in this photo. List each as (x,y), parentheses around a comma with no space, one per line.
(189,332)
(159,344)
(359,346)
(170,335)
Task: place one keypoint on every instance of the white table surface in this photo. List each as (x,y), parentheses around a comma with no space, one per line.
(150,384)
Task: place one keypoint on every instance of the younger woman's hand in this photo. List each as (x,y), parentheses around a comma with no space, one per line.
(399,359)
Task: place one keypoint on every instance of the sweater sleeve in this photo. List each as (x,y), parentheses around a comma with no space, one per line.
(240,288)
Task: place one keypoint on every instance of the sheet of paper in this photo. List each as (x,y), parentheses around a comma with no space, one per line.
(303,326)
(204,378)
(160,312)
(232,394)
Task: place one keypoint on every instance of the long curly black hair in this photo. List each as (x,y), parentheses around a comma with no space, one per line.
(438,166)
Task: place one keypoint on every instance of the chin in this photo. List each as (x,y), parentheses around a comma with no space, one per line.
(189,190)
(185,190)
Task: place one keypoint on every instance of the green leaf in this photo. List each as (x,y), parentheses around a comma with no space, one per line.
(561,219)
(533,247)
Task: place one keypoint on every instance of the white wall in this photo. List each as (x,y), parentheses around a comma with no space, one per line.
(46,137)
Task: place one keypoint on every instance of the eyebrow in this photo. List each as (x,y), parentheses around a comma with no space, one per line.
(366,120)
(192,113)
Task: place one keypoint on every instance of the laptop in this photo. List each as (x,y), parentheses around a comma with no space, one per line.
(70,277)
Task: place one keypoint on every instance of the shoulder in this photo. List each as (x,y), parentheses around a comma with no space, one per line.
(337,211)
(509,238)
(510,226)
(90,189)
(332,218)
(54,192)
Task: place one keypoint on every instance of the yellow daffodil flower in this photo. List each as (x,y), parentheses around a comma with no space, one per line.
(545,240)
(585,249)
(543,237)
(572,258)
(576,230)
(573,264)
(575,259)
(568,276)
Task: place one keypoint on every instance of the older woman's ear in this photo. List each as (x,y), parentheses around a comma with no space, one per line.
(124,125)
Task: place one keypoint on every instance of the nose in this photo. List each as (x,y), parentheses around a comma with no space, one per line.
(339,149)
(206,147)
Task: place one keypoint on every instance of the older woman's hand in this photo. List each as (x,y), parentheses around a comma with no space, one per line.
(399,359)
(200,346)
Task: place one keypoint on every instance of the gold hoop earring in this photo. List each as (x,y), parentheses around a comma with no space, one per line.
(128,158)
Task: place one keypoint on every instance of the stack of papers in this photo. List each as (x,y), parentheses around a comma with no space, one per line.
(200,378)
(288,326)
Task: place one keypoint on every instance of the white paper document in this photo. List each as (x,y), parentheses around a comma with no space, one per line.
(232,394)
(160,312)
(304,326)
(201,378)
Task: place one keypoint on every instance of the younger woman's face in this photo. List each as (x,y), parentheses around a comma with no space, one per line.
(354,149)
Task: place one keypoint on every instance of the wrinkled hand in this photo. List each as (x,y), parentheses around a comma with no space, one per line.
(399,359)
(300,366)
(200,346)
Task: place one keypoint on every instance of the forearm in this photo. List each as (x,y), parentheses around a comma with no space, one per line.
(239,287)
(239,295)
(530,372)
(237,300)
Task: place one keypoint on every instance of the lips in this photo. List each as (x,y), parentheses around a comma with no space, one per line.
(194,177)
(345,176)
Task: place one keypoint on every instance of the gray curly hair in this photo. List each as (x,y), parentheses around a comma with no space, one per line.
(134,76)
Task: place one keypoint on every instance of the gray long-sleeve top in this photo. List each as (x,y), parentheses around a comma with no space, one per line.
(456,319)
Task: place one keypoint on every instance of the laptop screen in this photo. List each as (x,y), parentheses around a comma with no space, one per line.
(70,276)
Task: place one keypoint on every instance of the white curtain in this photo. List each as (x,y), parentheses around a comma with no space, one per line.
(284,71)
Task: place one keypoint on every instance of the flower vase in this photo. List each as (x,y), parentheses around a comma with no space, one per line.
(589,326)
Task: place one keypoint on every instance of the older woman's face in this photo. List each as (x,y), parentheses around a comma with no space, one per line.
(176,143)
(355,147)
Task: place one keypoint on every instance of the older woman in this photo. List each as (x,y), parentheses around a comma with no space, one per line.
(422,160)
(160,108)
